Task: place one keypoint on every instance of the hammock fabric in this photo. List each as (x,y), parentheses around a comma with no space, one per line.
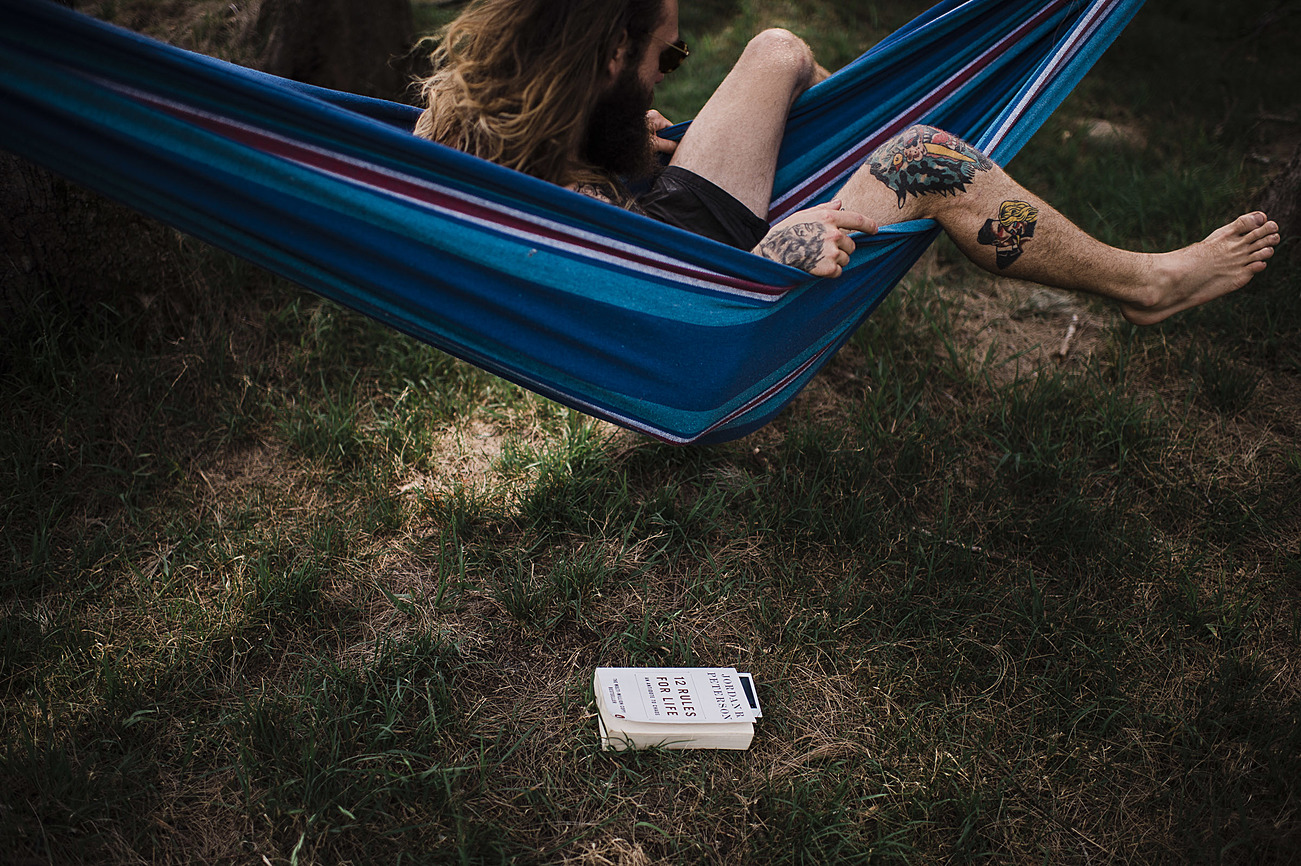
(604,310)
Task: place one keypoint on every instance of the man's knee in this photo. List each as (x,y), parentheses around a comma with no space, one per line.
(784,50)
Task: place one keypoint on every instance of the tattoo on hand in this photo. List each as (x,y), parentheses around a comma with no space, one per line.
(1008,234)
(596,191)
(927,160)
(799,245)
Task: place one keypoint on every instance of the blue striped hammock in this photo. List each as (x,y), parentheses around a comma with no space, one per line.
(629,320)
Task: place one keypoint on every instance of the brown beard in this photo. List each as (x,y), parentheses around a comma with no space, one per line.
(618,141)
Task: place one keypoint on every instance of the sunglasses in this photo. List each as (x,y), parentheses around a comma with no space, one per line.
(673,55)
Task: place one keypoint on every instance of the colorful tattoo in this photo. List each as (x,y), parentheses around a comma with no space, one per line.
(925,160)
(1007,234)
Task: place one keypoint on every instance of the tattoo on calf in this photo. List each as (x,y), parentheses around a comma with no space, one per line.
(1008,234)
(799,245)
(927,160)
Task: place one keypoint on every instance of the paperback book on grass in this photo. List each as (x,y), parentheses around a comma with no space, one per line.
(675,708)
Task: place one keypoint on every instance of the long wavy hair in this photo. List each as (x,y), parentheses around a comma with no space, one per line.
(514,81)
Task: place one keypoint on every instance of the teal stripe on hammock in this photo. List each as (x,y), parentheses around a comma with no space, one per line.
(627,319)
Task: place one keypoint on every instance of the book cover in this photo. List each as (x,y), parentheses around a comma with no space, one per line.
(675,707)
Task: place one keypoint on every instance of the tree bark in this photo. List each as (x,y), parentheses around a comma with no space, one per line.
(57,237)
(359,46)
(1281,200)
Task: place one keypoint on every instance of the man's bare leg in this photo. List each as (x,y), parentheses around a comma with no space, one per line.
(999,225)
(734,140)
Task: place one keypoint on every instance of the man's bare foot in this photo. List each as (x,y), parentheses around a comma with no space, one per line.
(1223,263)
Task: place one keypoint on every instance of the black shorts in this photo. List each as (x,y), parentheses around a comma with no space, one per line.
(686,200)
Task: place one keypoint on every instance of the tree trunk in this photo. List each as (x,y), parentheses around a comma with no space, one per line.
(57,237)
(359,46)
(1282,201)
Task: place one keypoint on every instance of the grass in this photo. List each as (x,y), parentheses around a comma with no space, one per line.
(283,586)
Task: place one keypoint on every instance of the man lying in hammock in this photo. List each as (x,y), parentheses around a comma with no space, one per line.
(562,89)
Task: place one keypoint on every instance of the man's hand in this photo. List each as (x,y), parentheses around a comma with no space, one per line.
(655,122)
(815,240)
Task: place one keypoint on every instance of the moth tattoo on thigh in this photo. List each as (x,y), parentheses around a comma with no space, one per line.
(924,160)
